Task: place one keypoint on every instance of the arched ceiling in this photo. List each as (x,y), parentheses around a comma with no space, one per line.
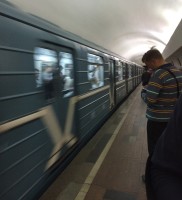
(126,27)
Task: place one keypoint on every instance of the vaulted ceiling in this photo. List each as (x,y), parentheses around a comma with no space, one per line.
(126,27)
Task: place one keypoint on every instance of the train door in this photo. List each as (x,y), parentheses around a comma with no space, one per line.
(66,76)
(112,83)
(54,66)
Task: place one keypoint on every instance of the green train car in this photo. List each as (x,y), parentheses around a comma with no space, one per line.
(56,91)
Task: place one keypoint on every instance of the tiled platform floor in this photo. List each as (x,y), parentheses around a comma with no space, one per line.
(99,172)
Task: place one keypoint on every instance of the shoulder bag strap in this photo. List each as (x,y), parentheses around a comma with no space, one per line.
(177,83)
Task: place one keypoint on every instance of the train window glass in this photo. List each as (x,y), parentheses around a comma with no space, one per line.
(66,73)
(129,72)
(45,61)
(120,71)
(124,71)
(95,70)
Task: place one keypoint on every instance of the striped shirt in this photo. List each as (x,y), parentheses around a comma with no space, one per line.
(161,93)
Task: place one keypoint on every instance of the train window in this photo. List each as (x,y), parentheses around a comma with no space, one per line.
(124,71)
(129,71)
(45,61)
(120,71)
(95,70)
(66,73)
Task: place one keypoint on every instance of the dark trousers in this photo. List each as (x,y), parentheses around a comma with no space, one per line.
(162,184)
(154,131)
(166,185)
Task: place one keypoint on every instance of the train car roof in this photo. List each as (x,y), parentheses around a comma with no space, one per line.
(127,28)
(38,22)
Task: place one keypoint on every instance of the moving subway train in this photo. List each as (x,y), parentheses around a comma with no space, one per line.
(56,91)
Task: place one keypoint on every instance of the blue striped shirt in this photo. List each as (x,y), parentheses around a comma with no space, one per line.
(161,93)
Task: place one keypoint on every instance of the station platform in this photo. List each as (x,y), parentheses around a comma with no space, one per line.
(111,164)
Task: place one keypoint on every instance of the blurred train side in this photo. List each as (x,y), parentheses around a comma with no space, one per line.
(173,51)
(41,129)
(176,58)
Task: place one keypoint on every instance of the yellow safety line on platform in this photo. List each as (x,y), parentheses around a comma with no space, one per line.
(88,181)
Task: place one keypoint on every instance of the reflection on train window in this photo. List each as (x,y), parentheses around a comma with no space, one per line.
(45,61)
(95,71)
(120,72)
(129,72)
(124,71)
(66,73)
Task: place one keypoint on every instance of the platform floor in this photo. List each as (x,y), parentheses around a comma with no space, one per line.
(110,166)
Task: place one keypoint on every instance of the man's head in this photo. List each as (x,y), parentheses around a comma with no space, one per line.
(153,59)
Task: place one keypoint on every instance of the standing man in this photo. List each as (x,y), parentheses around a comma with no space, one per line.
(162,93)
(146,76)
(145,80)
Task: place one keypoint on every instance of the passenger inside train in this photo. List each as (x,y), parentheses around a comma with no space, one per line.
(66,73)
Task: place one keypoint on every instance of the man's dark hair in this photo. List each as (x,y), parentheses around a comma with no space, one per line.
(152,54)
(143,58)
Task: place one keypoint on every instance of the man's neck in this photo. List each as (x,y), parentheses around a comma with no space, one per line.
(159,63)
